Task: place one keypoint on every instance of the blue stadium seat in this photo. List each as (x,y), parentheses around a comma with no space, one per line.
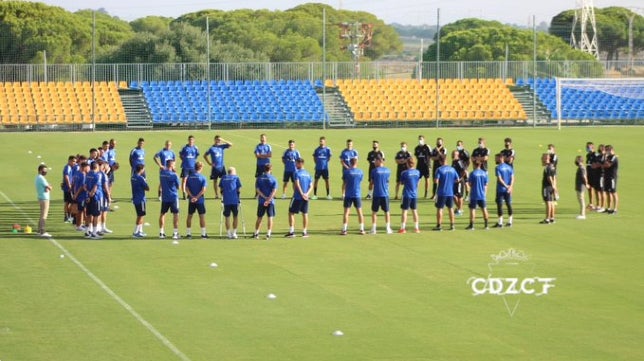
(232,101)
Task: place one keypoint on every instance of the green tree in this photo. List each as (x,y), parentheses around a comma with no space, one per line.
(24,37)
(151,24)
(478,40)
(145,48)
(612,30)
(110,33)
(189,42)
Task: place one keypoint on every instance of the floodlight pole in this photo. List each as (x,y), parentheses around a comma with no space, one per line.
(420,60)
(438,59)
(324,68)
(534,71)
(360,37)
(93,70)
(630,41)
(585,14)
(44,60)
(209,117)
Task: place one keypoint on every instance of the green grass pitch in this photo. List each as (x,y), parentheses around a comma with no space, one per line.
(395,297)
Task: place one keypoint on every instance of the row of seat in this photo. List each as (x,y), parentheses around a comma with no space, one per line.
(276,101)
(254,101)
(597,100)
(32,103)
(445,115)
(478,99)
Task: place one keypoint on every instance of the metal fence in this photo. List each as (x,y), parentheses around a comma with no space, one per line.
(124,75)
(317,70)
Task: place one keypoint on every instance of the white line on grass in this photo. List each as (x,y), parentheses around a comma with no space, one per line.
(107,290)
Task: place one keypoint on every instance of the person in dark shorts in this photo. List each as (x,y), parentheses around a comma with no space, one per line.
(321,157)
(581,183)
(371,159)
(402,156)
(423,155)
(549,188)
(139,187)
(611,166)
(445,178)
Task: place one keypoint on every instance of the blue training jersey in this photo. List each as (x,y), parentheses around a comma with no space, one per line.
(189,156)
(92,180)
(164,155)
(409,179)
(137,156)
(230,187)
(304,178)
(503,171)
(289,157)
(263,149)
(322,156)
(78,183)
(169,181)
(104,184)
(266,183)
(478,180)
(195,183)
(352,178)
(110,156)
(380,178)
(446,176)
(139,186)
(216,153)
(347,155)
(68,171)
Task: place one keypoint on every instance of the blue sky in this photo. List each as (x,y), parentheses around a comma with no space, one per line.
(401,11)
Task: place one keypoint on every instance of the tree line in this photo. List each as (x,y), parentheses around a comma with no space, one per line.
(32,31)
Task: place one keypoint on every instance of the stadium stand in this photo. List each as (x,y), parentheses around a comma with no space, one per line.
(415,100)
(249,101)
(588,101)
(59,103)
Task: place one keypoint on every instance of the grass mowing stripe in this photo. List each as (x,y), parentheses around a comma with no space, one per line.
(105,288)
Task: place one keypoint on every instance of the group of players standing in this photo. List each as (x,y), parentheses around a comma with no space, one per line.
(87,189)
(87,183)
(598,176)
(451,184)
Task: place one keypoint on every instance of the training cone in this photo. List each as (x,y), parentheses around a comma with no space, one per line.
(14,231)
(28,229)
